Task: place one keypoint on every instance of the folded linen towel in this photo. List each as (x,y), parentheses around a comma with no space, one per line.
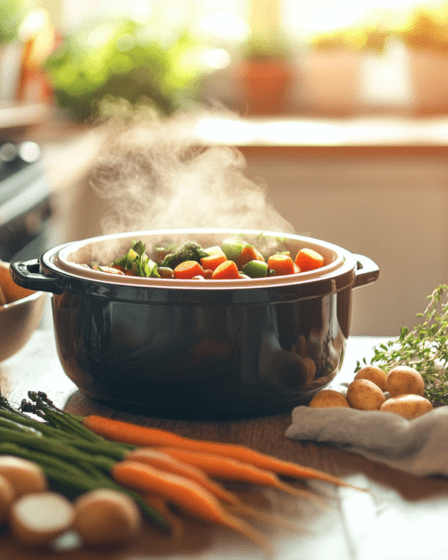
(418,446)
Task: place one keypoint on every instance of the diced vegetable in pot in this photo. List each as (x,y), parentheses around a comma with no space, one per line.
(233,259)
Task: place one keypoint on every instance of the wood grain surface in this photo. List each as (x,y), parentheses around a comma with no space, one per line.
(401,517)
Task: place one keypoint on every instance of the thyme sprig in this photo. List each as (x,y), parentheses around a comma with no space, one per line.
(424,348)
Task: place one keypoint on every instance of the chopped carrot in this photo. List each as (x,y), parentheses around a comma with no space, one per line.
(184,493)
(308,259)
(188,269)
(259,256)
(247,254)
(212,261)
(281,264)
(226,271)
(145,436)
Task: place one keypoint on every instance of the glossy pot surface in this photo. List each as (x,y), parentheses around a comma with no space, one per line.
(198,349)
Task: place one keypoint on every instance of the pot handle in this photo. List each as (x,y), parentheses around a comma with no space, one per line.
(366,272)
(28,274)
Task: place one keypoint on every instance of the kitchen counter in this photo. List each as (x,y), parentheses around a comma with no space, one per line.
(399,519)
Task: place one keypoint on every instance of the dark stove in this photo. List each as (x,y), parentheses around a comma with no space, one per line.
(24,201)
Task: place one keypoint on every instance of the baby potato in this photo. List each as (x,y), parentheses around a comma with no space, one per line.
(408,406)
(374,374)
(405,380)
(328,398)
(365,395)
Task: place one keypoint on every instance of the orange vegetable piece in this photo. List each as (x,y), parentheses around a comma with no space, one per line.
(184,493)
(308,259)
(11,291)
(282,264)
(133,434)
(259,256)
(188,269)
(213,261)
(226,271)
(248,253)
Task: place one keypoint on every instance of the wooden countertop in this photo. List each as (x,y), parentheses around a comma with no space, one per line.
(399,520)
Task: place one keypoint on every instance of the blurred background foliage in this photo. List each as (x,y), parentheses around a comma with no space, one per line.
(128,60)
(12,13)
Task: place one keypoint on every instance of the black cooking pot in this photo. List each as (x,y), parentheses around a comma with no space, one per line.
(198,348)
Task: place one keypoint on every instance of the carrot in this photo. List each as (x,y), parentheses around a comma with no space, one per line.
(281,264)
(232,470)
(185,494)
(308,259)
(259,255)
(187,269)
(160,505)
(212,261)
(226,271)
(145,436)
(247,254)
(167,462)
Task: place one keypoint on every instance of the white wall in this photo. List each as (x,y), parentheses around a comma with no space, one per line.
(393,211)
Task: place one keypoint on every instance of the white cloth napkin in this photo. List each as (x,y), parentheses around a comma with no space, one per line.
(418,446)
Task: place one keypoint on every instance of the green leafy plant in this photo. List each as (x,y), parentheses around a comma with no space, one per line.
(424,348)
(12,14)
(267,47)
(123,59)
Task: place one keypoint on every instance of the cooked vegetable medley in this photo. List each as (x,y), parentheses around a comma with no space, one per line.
(233,259)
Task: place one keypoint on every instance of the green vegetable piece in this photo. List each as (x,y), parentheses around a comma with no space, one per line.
(232,249)
(138,261)
(188,251)
(256,269)
(166,272)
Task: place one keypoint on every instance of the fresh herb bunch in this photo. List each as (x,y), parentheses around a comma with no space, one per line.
(424,348)
(138,261)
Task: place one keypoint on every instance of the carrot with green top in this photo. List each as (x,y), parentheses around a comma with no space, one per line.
(145,436)
(169,463)
(185,494)
(308,259)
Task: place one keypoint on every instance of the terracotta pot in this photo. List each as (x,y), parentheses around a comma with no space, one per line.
(265,85)
(429,74)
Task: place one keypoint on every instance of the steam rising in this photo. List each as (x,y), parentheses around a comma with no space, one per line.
(155,174)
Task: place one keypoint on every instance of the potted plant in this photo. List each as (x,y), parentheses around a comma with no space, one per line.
(123,59)
(425,35)
(12,14)
(266,74)
(332,69)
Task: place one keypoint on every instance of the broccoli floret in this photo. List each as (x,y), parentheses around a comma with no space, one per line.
(188,251)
